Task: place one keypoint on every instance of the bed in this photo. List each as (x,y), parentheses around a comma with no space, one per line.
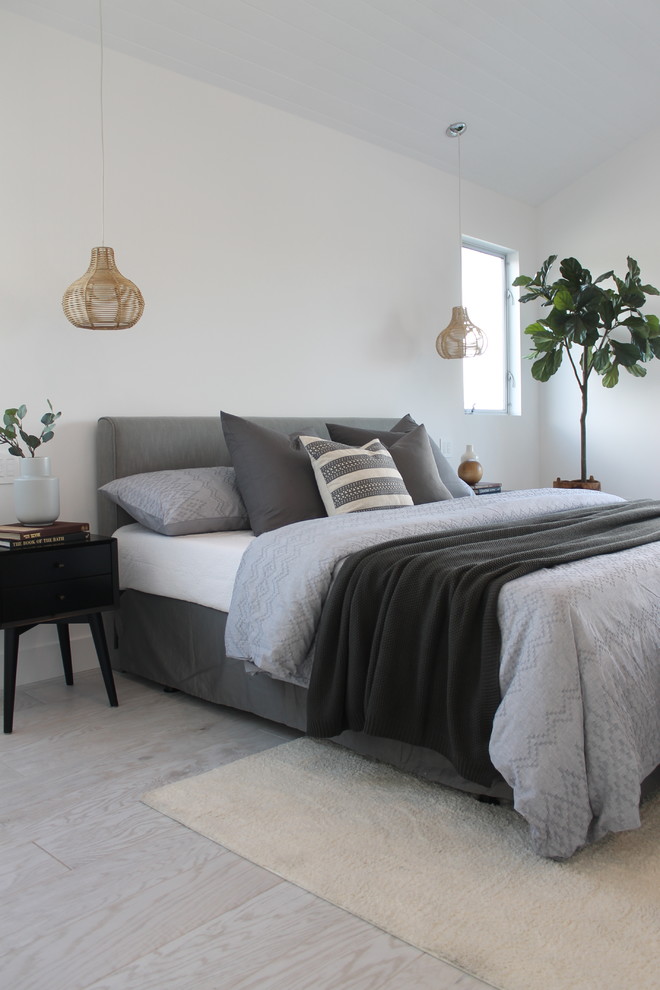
(575,742)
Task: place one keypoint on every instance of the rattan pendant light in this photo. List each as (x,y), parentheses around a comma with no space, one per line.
(460,338)
(102,299)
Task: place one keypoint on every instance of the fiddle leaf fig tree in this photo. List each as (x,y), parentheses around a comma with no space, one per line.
(587,320)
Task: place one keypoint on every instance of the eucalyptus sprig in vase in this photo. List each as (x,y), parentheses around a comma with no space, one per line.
(36,491)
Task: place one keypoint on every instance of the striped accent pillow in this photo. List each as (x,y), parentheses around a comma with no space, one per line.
(355,479)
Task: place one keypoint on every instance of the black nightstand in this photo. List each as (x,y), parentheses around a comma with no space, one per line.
(59,583)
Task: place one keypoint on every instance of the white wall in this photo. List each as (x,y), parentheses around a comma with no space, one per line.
(286,268)
(609,214)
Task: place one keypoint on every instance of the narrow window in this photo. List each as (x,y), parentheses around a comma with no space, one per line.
(490,381)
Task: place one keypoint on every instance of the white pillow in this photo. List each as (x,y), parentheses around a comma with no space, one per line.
(355,479)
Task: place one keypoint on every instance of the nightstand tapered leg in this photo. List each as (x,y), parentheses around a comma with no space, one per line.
(98,634)
(11,663)
(65,650)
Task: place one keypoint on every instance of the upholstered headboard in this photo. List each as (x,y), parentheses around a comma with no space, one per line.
(128,445)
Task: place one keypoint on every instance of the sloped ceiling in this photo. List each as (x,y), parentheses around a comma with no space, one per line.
(548,88)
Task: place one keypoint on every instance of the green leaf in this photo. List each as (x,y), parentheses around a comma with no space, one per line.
(576,276)
(522,280)
(537,327)
(542,274)
(603,277)
(653,324)
(530,296)
(601,359)
(21,412)
(633,297)
(636,323)
(650,290)
(642,344)
(563,300)
(559,322)
(611,377)
(625,354)
(545,345)
(582,328)
(544,337)
(30,440)
(545,367)
(636,371)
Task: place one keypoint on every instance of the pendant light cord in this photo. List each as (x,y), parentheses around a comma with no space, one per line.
(460,224)
(102,127)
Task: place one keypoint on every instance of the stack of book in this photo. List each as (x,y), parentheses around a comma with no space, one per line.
(16,536)
(487,488)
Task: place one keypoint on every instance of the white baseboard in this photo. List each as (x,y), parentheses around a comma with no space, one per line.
(39,656)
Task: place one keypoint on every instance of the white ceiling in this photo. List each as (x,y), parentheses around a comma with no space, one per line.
(548,88)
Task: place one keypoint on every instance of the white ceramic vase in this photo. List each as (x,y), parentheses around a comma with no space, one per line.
(469,454)
(36,492)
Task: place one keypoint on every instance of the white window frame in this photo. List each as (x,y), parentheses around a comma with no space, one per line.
(512,349)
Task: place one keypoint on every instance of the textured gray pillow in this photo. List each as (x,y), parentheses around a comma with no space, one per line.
(456,486)
(412,454)
(181,502)
(276,480)
(355,479)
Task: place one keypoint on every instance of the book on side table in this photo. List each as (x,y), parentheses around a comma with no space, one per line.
(16,536)
(487,488)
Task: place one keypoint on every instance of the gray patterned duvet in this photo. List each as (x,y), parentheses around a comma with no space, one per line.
(578,727)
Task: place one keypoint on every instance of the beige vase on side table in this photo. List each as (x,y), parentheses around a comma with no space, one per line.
(470,470)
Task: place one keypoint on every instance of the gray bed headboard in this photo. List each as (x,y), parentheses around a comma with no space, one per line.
(135,444)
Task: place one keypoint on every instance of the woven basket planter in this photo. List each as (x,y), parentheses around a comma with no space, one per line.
(591,484)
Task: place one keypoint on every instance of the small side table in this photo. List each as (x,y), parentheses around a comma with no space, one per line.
(57,583)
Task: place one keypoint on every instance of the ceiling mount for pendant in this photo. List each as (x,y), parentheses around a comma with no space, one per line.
(455,130)
(460,338)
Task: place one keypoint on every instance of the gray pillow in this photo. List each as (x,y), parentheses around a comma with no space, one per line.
(412,455)
(456,486)
(276,480)
(355,479)
(181,502)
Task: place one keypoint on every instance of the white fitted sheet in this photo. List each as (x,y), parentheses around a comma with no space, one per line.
(200,568)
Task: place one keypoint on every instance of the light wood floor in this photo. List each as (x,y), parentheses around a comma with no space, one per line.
(100,892)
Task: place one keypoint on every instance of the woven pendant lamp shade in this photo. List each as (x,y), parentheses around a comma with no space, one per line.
(103,299)
(460,338)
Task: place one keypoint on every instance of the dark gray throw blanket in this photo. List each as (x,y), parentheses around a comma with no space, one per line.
(408,643)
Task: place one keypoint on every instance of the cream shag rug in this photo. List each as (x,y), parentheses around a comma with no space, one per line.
(436,868)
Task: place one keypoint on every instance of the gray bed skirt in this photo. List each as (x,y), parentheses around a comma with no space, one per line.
(180,645)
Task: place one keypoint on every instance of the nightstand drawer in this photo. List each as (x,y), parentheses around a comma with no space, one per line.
(33,567)
(42,601)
